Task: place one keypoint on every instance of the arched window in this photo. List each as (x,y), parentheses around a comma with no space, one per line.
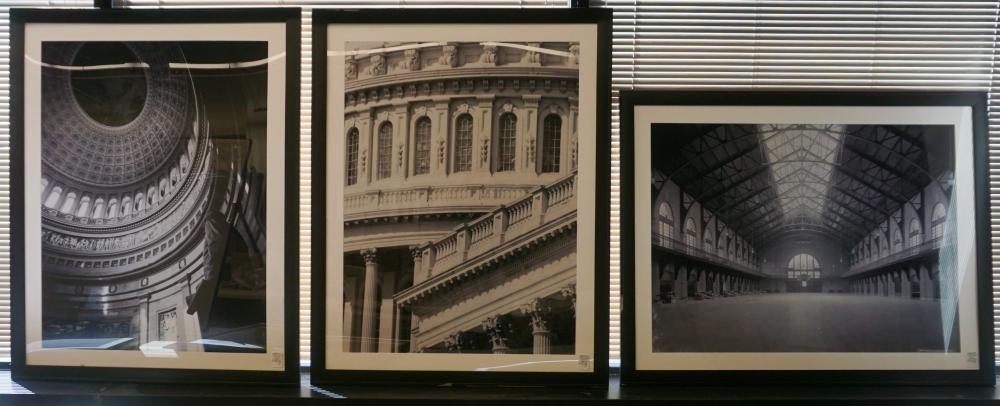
(126,206)
(937,221)
(113,209)
(385,150)
(802,262)
(352,156)
(897,241)
(84,210)
(665,222)
(690,233)
(99,208)
(708,241)
(68,203)
(422,141)
(507,142)
(915,233)
(551,143)
(53,198)
(463,143)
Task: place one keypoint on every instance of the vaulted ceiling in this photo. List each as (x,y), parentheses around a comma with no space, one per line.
(767,180)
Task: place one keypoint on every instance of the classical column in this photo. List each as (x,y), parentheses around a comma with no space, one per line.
(418,272)
(369,309)
(387,310)
(538,311)
(497,328)
(350,297)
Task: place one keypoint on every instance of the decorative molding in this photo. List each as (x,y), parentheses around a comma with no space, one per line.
(449,55)
(498,329)
(490,55)
(377,65)
(350,68)
(411,60)
(370,255)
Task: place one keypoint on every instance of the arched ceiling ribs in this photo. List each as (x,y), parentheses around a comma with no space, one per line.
(764,180)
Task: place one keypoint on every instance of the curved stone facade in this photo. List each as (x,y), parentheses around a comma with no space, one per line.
(459,197)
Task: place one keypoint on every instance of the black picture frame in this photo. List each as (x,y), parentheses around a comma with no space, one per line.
(291,18)
(631,375)
(601,18)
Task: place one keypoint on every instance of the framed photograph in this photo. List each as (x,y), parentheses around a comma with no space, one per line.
(461,183)
(803,237)
(154,176)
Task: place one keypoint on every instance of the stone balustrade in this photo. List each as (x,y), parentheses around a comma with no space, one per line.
(506,223)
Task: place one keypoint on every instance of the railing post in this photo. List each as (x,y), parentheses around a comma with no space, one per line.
(462,242)
(428,258)
(500,219)
(538,206)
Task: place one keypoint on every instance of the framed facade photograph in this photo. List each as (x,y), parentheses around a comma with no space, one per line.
(803,237)
(155,214)
(461,189)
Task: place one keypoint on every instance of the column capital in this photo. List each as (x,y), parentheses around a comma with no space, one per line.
(569,292)
(497,328)
(457,342)
(538,310)
(370,255)
(416,252)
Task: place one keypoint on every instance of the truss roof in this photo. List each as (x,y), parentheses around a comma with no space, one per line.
(767,180)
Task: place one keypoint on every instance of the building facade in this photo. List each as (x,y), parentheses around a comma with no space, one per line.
(460,198)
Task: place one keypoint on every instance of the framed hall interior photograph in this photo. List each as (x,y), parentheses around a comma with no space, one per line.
(797,237)
(155,239)
(461,220)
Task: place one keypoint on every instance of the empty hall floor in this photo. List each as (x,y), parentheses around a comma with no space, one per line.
(804,322)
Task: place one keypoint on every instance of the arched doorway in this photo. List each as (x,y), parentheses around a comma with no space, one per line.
(803,274)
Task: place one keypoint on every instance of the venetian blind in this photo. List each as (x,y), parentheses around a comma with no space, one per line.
(5,236)
(804,44)
(305,99)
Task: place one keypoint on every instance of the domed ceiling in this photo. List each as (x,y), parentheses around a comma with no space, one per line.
(118,115)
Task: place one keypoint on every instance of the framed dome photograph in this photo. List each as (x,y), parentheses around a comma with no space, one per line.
(154,218)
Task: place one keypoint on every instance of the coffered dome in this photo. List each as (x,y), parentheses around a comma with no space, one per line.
(116,127)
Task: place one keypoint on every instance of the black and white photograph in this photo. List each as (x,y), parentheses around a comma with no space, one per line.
(459,196)
(802,236)
(155,191)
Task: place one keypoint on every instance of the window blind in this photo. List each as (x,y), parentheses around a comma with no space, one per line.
(801,44)
(5,282)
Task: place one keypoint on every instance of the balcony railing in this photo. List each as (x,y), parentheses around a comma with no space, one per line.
(683,247)
(905,254)
(415,199)
(506,223)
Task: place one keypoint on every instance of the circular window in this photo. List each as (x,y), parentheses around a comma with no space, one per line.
(108,91)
